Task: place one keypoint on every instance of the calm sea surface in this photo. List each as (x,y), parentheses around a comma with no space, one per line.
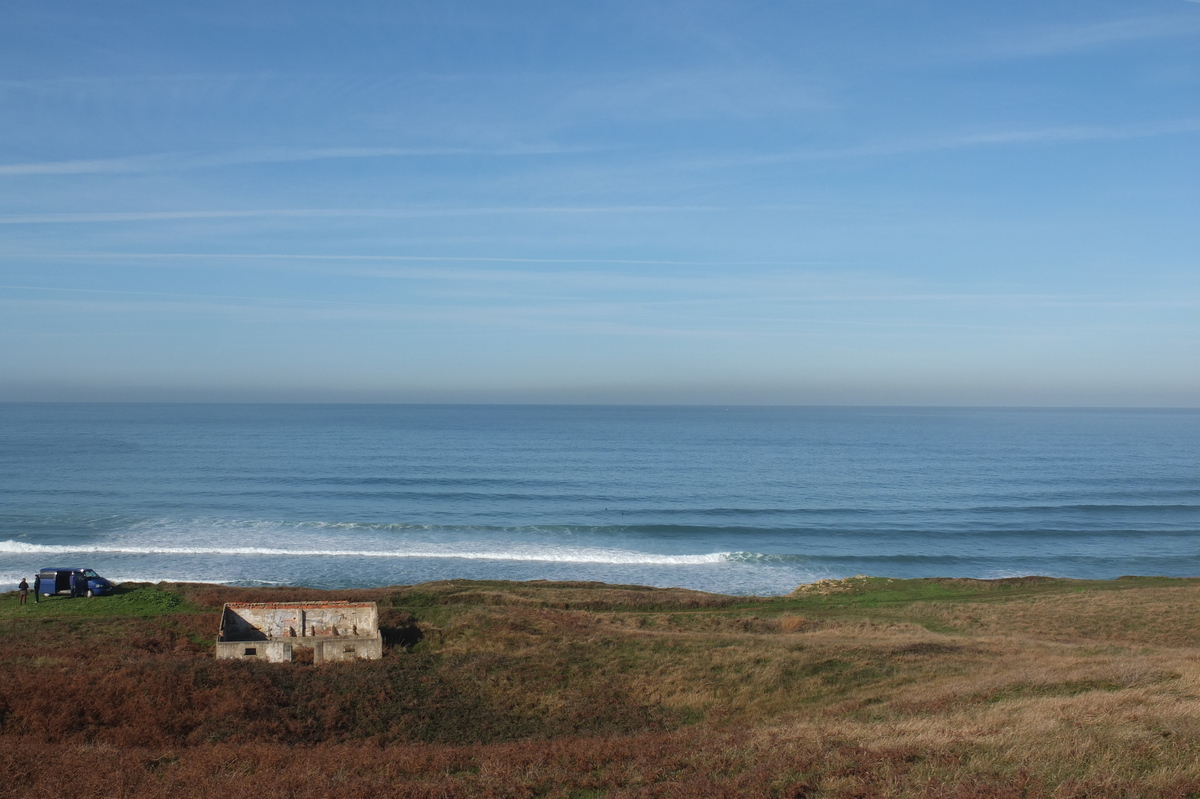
(737,500)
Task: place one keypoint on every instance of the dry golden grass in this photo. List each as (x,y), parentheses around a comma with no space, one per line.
(860,689)
(1150,616)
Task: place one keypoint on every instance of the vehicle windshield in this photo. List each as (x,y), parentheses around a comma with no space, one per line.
(89,573)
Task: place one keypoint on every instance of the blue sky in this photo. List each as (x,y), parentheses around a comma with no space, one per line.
(796,202)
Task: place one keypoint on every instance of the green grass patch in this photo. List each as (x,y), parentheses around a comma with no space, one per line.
(1033,691)
(145,600)
(855,596)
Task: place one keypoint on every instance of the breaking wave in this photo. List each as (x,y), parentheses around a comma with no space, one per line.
(877,563)
(532,554)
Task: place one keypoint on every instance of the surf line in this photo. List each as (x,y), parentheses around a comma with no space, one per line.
(541,555)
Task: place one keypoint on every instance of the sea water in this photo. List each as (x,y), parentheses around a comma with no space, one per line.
(747,500)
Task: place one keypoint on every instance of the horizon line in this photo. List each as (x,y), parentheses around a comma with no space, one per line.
(725,405)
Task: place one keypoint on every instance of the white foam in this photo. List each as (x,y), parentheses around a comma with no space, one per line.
(519,554)
(14,577)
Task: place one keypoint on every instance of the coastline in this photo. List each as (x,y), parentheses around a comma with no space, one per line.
(748,501)
(857,687)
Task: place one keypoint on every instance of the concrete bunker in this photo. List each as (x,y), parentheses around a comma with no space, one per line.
(272,631)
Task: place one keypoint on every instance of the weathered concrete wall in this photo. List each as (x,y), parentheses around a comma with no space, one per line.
(333,649)
(265,620)
(270,651)
(272,630)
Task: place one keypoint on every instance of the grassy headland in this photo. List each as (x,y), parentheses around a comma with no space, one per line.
(861,687)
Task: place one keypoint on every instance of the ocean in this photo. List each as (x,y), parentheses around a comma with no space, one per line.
(742,500)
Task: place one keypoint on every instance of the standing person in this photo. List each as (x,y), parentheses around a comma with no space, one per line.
(37,588)
(24,589)
(74,583)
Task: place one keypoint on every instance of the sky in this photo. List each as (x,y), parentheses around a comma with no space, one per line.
(811,202)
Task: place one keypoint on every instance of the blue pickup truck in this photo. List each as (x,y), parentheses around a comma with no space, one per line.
(57,580)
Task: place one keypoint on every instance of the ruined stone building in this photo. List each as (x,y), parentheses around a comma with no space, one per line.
(272,631)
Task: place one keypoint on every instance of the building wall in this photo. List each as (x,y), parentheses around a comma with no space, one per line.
(271,631)
(270,651)
(250,622)
(334,649)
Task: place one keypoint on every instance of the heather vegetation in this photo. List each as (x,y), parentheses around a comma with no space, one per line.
(855,688)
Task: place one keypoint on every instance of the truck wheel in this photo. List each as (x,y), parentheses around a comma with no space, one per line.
(90,593)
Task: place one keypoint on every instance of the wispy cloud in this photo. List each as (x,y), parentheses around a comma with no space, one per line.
(933,144)
(342,213)
(593,318)
(1063,39)
(625,281)
(394,258)
(688,95)
(492,276)
(164,162)
(701,291)
(575,319)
